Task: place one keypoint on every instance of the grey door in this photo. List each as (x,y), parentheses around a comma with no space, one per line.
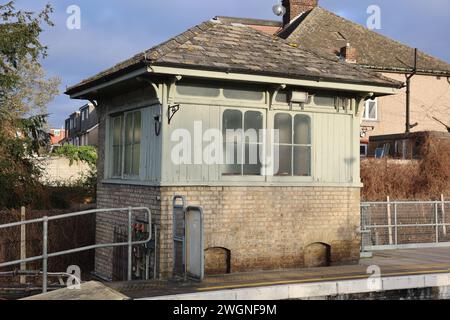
(194,243)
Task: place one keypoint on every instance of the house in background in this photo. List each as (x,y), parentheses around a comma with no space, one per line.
(82,127)
(57,136)
(225,76)
(318,30)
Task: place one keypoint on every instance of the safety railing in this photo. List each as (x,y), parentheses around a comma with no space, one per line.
(404,224)
(46,255)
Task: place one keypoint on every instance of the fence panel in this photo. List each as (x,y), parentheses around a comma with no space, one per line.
(404,224)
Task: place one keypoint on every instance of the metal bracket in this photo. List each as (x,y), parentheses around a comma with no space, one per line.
(275,93)
(172,110)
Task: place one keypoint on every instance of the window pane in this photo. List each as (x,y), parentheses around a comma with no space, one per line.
(232,119)
(128,158)
(129,128)
(285,161)
(137,127)
(302,125)
(197,90)
(243,94)
(324,101)
(232,165)
(283,123)
(252,164)
(136,159)
(302,161)
(282,97)
(372,110)
(117,161)
(253,123)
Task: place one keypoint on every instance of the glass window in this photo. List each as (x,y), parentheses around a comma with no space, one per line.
(324,100)
(132,143)
(242,143)
(117,146)
(371,110)
(243,94)
(294,144)
(126,144)
(197,90)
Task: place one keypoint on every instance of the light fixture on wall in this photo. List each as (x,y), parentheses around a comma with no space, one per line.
(279,10)
(299,97)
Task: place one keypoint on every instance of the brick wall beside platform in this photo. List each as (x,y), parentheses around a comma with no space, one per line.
(262,227)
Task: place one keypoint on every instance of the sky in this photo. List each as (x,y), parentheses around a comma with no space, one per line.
(114,30)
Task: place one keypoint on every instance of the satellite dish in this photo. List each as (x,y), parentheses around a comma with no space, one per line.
(279,10)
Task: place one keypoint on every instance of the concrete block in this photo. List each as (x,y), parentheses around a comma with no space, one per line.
(263,293)
(396,283)
(298,291)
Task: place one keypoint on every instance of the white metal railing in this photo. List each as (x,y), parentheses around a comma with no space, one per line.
(404,224)
(46,255)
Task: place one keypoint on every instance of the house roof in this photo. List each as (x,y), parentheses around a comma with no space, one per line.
(325,33)
(233,47)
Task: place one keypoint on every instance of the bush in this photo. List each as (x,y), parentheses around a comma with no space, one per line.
(423,179)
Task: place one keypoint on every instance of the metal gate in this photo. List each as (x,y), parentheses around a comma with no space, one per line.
(195,258)
(188,247)
(404,225)
(129,242)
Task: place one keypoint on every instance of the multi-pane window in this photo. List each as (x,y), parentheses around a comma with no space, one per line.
(242,142)
(126,144)
(371,110)
(294,144)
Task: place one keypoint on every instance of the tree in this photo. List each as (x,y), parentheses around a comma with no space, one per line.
(32,92)
(19,43)
(24,93)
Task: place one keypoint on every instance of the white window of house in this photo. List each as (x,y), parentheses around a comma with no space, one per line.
(294,144)
(82,115)
(56,133)
(371,110)
(242,142)
(363,150)
(125,140)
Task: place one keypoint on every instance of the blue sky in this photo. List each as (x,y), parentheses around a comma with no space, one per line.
(114,30)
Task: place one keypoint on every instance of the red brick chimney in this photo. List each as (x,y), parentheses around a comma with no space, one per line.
(295,7)
(349,53)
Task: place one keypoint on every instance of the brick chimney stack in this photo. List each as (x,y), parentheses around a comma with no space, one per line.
(349,53)
(295,7)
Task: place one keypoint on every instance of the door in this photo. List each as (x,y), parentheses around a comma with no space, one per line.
(194,243)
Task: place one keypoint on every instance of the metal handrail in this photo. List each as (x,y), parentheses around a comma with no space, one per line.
(369,203)
(45,255)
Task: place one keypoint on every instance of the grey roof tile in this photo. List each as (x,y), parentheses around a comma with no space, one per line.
(219,45)
(325,33)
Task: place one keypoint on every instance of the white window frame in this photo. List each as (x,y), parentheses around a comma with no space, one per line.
(366,148)
(242,177)
(293,145)
(366,115)
(109,150)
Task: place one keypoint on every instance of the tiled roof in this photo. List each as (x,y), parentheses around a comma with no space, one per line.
(217,45)
(325,33)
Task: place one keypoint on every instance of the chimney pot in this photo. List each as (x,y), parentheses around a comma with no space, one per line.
(349,53)
(295,7)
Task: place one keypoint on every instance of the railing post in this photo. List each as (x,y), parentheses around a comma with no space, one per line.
(45,255)
(436,215)
(389,219)
(130,246)
(444,227)
(23,244)
(396,223)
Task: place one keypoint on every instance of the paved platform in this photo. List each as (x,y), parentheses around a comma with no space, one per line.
(395,265)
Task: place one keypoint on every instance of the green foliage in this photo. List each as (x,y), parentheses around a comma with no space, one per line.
(19,41)
(18,172)
(86,154)
(23,92)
